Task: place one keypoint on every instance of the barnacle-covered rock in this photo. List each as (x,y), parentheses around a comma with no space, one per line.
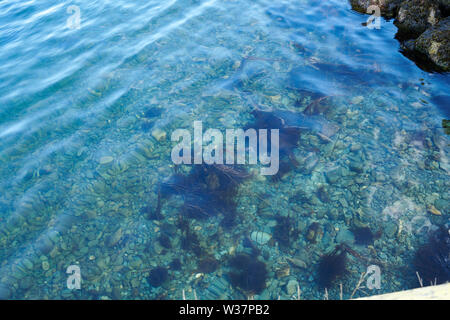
(435,44)
(415,16)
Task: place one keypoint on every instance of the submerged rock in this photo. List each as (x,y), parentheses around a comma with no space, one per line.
(435,44)
(260,237)
(5,293)
(292,287)
(345,236)
(314,233)
(415,16)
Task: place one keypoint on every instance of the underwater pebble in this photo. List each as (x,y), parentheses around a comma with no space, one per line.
(28,264)
(291,287)
(441,204)
(5,293)
(115,238)
(357,99)
(390,230)
(26,283)
(260,237)
(333,175)
(432,209)
(416,105)
(356,165)
(345,236)
(45,245)
(45,265)
(297,262)
(158,134)
(106,159)
(135,282)
(355,147)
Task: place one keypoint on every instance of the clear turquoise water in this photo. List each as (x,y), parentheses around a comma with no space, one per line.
(79,158)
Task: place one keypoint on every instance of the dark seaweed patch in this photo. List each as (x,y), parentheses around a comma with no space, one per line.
(157,276)
(432,261)
(153,213)
(363,235)
(189,239)
(207,191)
(152,112)
(332,266)
(175,264)
(314,232)
(288,139)
(164,241)
(248,273)
(285,232)
(208,265)
(147,125)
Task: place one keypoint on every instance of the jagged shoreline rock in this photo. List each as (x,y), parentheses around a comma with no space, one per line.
(435,43)
(414,17)
(423,28)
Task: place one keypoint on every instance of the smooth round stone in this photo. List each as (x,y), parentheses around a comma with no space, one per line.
(45,246)
(291,287)
(106,159)
(260,237)
(5,293)
(345,236)
(159,134)
(28,264)
(45,265)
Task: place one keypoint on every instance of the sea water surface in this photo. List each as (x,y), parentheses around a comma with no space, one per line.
(87,109)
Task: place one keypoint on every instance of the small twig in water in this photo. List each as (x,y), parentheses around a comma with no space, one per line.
(358,285)
(420,279)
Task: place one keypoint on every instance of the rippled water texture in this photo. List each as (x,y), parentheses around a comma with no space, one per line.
(86,116)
